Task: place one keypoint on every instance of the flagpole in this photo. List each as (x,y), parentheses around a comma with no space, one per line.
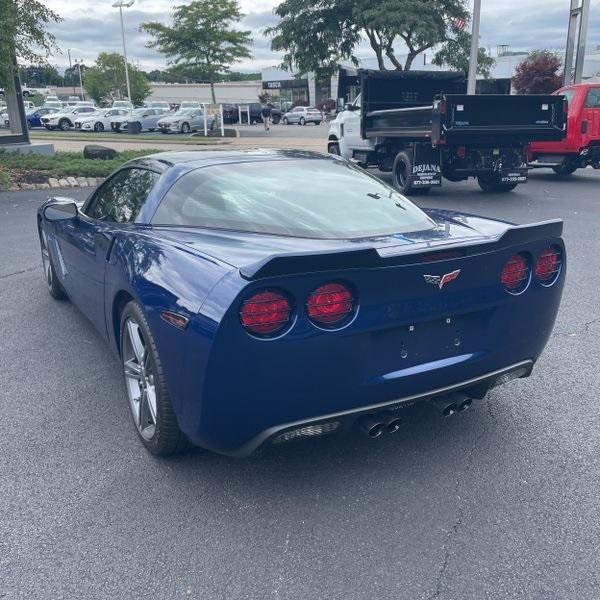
(474,48)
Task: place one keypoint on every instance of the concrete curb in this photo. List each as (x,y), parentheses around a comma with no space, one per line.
(63,182)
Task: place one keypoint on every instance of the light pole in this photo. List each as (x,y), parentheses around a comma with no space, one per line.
(120,4)
(70,66)
(80,80)
(474,48)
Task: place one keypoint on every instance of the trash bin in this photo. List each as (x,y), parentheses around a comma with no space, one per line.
(134,127)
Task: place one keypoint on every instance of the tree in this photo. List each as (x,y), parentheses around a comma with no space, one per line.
(40,75)
(23,34)
(456,54)
(538,73)
(202,37)
(71,76)
(316,35)
(106,79)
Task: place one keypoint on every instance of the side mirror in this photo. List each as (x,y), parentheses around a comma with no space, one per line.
(61,210)
(350,107)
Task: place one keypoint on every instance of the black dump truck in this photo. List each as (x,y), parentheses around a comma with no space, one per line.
(422,126)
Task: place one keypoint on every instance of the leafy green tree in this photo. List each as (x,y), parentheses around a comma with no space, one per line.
(203,37)
(23,34)
(106,80)
(456,53)
(40,75)
(539,73)
(316,35)
(71,76)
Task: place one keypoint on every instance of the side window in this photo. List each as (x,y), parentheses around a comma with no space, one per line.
(593,98)
(119,200)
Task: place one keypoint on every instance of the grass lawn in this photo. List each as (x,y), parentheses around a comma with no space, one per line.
(18,167)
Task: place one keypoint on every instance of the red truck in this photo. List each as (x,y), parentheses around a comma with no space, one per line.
(581,146)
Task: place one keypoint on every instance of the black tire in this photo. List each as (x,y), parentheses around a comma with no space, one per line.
(275,120)
(285,121)
(55,288)
(401,173)
(185,128)
(98,127)
(333,147)
(64,125)
(566,168)
(49,128)
(26,94)
(491,185)
(302,121)
(317,122)
(167,438)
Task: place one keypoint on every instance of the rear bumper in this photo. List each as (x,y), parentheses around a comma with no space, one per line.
(347,418)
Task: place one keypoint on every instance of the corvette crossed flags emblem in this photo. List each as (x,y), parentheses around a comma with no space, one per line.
(442,280)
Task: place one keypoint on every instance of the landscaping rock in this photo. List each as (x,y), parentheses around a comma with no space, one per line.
(91,181)
(43,186)
(53,182)
(94,151)
(63,183)
(82,181)
(72,181)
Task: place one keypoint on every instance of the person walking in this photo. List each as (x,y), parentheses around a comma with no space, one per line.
(266,116)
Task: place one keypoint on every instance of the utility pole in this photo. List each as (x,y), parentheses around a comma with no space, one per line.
(71,67)
(80,80)
(471,86)
(120,4)
(576,38)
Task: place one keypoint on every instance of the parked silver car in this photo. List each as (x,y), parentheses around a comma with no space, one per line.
(303,115)
(184,121)
(146,117)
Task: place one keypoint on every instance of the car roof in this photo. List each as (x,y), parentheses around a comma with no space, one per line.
(203,158)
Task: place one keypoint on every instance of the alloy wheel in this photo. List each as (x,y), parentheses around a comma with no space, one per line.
(139,379)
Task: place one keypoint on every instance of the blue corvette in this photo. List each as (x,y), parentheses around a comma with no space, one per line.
(258,297)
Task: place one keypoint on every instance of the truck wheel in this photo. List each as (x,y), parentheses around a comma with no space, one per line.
(566,168)
(401,176)
(491,185)
(334,148)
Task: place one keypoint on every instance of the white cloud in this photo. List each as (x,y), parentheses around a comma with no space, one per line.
(89,28)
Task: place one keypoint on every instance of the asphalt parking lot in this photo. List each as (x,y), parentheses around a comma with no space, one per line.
(498,502)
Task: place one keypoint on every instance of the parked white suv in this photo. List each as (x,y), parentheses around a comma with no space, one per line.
(303,115)
(65,119)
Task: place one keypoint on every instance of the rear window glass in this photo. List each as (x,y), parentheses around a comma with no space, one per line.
(593,98)
(316,198)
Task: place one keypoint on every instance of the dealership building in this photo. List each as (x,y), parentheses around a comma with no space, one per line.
(289,89)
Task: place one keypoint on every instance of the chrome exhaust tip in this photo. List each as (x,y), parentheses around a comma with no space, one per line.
(372,426)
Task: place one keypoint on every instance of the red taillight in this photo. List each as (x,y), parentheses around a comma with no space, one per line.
(330,304)
(547,265)
(515,273)
(266,313)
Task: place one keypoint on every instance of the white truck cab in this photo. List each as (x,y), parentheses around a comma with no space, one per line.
(344,132)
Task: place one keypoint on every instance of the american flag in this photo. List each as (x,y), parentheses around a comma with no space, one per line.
(459,23)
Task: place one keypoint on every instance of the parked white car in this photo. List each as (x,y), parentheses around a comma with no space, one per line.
(184,121)
(190,104)
(66,118)
(122,104)
(57,105)
(303,115)
(146,117)
(34,91)
(99,120)
(163,106)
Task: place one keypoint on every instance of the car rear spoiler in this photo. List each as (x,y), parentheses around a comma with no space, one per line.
(372,257)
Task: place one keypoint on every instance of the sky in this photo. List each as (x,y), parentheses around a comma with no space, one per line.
(90,27)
